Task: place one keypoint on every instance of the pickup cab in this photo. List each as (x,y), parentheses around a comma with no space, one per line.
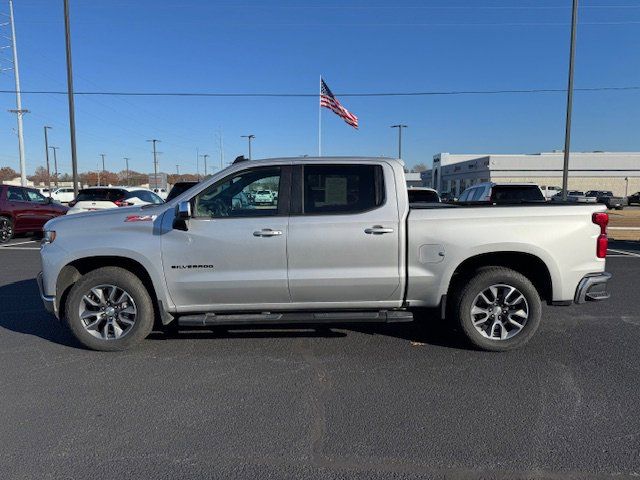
(339,244)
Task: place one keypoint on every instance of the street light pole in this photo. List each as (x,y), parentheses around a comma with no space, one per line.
(46,151)
(567,130)
(155,162)
(72,117)
(205,156)
(126,161)
(249,137)
(399,127)
(103,170)
(19,111)
(55,164)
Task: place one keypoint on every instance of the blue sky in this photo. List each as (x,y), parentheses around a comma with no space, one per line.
(283,47)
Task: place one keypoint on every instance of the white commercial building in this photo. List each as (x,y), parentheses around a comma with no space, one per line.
(615,171)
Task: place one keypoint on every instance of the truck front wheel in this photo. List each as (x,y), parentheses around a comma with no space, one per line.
(109,309)
(498,309)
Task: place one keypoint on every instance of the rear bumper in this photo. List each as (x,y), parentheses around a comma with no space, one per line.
(49,302)
(592,287)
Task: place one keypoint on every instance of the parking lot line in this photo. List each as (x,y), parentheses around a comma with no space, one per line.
(17,243)
(9,247)
(622,253)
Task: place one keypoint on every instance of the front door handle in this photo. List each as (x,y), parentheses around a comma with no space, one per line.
(378,230)
(267,232)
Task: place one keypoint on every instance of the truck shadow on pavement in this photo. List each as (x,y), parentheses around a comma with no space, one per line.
(427,328)
(22,312)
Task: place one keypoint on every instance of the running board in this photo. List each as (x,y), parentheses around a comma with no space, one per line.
(294,318)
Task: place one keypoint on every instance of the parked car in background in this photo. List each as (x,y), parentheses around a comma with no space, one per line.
(43,190)
(634,198)
(448,197)
(574,196)
(607,198)
(423,195)
(549,191)
(502,193)
(179,188)
(101,198)
(161,192)
(25,210)
(63,194)
(263,197)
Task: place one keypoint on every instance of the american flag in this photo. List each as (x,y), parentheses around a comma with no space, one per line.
(328,100)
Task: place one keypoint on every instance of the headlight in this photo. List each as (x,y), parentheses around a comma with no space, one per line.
(48,237)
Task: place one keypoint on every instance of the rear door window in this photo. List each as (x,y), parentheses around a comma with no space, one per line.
(342,189)
(16,194)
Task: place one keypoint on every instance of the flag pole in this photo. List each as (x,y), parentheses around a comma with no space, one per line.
(320,119)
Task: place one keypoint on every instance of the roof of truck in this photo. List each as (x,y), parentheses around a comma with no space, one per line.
(327,159)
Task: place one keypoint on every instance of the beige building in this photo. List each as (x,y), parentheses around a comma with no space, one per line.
(615,171)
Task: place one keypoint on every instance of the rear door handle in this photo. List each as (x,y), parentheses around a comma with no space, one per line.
(267,232)
(377,230)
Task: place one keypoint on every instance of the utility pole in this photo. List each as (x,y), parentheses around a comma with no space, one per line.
(46,151)
(221,148)
(399,127)
(249,137)
(567,130)
(126,161)
(205,156)
(72,115)
(19,111)
(55,163)
(103,170)
(155,162)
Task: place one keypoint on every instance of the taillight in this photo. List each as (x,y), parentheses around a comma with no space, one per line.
(602,220)
(123,203)
(72,203)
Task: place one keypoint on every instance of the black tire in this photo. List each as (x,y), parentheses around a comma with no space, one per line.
(6,229)
(122,279)
(481,281)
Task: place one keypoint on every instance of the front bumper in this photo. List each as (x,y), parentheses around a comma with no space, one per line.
(49,302)
(593,287)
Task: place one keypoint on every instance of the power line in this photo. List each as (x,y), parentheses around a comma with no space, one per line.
(372,94)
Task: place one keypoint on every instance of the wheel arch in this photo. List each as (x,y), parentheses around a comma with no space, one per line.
(75,269)
(528,264)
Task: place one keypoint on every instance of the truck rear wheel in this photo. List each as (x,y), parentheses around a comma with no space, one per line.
(498,309)
(109,309)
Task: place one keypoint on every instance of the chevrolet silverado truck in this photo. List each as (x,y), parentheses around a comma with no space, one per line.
(340,244)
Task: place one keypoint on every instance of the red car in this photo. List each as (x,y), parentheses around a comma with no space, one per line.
(25,209)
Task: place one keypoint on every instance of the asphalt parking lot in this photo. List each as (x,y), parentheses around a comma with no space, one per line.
(405,401)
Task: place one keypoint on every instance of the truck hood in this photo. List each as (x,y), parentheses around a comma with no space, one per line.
(104,219)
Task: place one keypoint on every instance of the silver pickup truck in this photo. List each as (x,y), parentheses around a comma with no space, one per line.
(338,243)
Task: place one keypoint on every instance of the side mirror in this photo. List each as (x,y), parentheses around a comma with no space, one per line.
(183,213)
(183,210)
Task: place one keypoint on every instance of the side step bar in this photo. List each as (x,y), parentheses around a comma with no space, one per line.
(295,318)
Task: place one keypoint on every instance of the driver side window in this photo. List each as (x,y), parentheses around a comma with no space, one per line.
(250,193)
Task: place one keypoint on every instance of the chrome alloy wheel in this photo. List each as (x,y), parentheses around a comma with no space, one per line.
(107,312)
(500,312)
(6,230)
